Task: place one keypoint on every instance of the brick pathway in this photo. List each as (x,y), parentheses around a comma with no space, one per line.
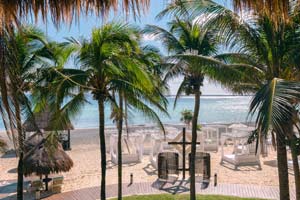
(264,192)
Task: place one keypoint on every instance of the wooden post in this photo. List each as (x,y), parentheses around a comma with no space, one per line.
(69,140)
(183,152)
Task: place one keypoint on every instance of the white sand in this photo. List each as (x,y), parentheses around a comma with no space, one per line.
(86,171)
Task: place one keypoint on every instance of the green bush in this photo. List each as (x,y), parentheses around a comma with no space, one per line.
(186,116)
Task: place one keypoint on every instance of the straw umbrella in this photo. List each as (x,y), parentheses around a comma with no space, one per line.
(43,121)
(43,159)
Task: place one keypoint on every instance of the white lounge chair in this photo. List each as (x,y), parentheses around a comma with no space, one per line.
(132,150)
(244,156)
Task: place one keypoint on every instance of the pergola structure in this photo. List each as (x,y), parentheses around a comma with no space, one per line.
(43,121)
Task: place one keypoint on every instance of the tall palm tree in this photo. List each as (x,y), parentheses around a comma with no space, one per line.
(23,56)
(107,66)
(137,95)
(270,49)
(192,50)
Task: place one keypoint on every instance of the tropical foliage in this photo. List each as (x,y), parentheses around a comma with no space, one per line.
(112,67)
(24,50)
(186,116)
(193,52)
(264,48)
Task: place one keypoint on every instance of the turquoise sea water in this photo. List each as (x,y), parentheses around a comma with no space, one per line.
(213,109)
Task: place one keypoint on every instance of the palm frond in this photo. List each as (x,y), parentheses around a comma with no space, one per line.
(274,104)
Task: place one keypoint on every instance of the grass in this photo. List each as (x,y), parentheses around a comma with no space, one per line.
(183,197)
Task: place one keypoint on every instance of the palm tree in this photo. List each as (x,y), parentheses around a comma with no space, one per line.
(22,49)
(137,94)
(192,50)
(270,49)
(108,66)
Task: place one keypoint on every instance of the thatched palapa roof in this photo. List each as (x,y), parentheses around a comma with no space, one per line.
(43,121)
(66,10)
(44,160)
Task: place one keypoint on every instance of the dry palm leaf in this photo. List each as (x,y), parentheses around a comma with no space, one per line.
(277,10)
(66,10)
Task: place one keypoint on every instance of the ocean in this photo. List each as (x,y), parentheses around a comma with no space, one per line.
(213,109)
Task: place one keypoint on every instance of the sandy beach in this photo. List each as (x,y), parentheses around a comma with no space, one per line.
(86,171)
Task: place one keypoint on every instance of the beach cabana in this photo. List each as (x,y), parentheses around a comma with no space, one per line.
(210,138)
(132,149)
(147,144)
(156,149)
(43,122)
(43,159)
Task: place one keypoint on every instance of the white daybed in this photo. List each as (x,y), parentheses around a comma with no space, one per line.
(132,150)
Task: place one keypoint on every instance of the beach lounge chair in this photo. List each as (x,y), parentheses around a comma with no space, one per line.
(210,139)
(34,186)
(247,156)
(132,149)
(57,183)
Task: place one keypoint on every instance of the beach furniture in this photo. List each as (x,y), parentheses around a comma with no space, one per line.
(221,128)
(147,144)
(34,186)
(210,139)
(156,149)
(132,149)
(202,165)
(57,183)
(168,166)
(242,155)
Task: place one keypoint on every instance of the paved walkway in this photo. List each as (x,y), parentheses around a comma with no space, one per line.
(264,192)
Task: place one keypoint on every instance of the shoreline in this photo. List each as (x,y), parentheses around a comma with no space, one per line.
(152,125)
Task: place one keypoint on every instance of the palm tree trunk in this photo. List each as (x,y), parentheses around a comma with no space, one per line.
(120,126)
(102,147)
(20,150)
(296,173)
(194,141)
(126,117)
(282,167)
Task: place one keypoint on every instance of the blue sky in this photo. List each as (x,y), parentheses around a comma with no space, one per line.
(87,23)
